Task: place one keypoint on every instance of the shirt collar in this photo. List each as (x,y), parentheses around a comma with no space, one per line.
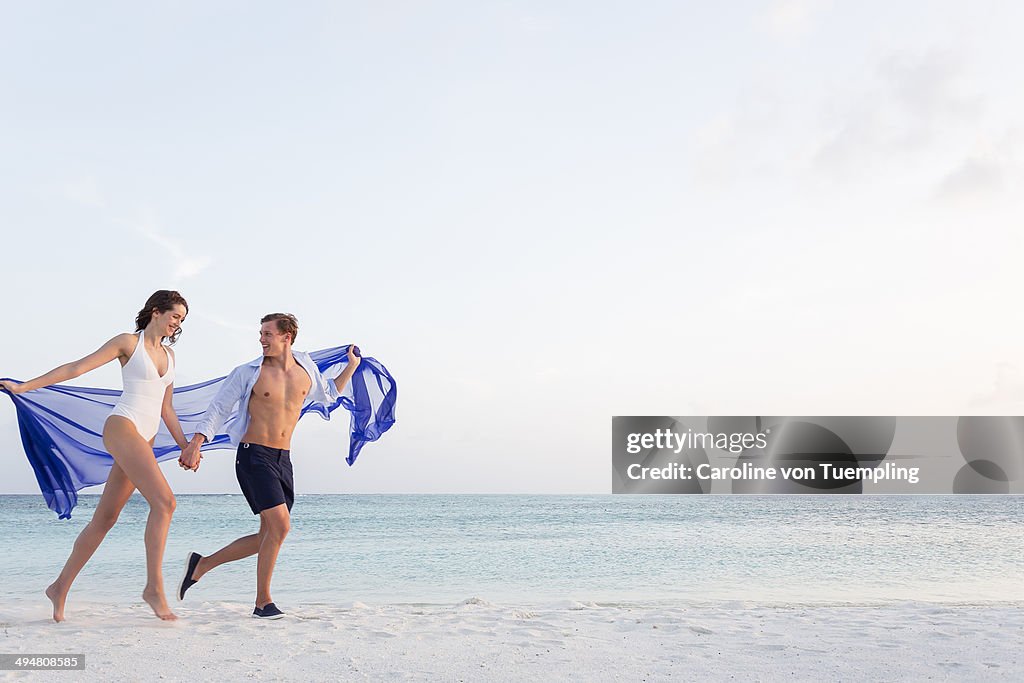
(301,357)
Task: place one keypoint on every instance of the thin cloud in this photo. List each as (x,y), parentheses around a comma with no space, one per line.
(907,109)
(912,105)
(990,169)
(224,322)
(185,265)
(976,177)
(930,86)
(86,191)
(754,141)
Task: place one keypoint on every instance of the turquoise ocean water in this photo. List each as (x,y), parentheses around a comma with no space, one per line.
(524,549)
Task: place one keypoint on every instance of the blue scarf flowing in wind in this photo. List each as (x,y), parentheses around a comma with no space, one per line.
(62,426)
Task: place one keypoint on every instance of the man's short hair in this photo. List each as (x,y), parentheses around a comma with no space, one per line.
(286,323)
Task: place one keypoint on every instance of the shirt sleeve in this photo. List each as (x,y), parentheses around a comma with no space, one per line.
(328,389)
(223,404)
(324,393)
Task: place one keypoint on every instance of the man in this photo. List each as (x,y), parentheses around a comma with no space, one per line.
(270,392)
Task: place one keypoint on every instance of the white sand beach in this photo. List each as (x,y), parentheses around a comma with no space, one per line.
(479,641)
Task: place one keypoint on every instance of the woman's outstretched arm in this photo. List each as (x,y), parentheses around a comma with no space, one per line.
(118,346)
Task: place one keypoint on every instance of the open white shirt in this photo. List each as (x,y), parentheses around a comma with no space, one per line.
(237,389)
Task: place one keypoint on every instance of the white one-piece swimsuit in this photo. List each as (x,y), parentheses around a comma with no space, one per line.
(144,390)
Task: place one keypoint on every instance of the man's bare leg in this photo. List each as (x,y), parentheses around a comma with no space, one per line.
(276,524)
(238,549)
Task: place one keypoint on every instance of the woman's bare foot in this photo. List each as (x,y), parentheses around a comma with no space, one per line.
(57,597)
(155,598)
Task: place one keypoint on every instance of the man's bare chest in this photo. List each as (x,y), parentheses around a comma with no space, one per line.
(281,388)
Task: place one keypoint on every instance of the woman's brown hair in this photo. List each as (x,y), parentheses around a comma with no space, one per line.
(161,301)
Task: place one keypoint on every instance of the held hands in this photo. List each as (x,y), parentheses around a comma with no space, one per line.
(354,358)
(190,457)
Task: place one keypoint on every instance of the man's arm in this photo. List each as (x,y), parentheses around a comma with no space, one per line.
(223,403)
(341,381)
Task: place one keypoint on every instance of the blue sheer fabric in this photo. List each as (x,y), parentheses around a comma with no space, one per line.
(62,426)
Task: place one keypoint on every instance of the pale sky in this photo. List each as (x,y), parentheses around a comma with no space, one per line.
(536,215)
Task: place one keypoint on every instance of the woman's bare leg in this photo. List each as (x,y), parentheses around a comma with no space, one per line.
(116,493)
(135,456)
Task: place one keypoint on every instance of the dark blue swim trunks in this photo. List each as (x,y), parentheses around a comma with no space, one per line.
(265,475)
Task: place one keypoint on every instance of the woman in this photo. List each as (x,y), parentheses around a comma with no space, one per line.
(147,368)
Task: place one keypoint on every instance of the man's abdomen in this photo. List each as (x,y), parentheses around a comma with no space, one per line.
(273,430)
